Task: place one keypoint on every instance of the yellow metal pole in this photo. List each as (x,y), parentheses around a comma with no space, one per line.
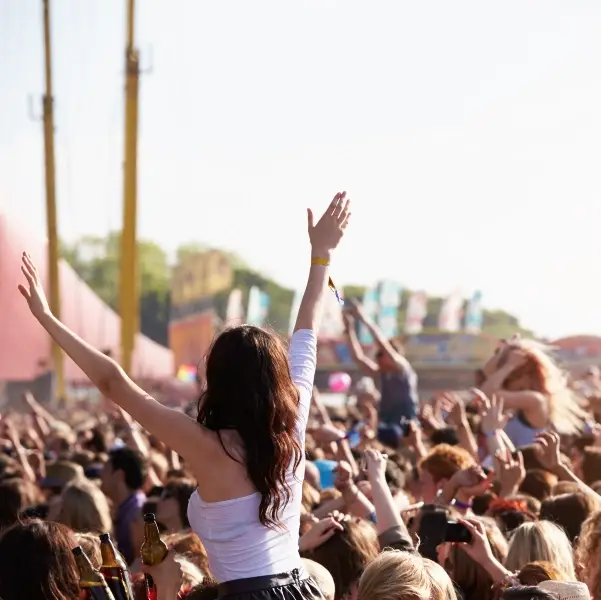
(129,295)
(51,221)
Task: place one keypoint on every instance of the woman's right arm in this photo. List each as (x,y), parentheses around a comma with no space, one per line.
(172,427)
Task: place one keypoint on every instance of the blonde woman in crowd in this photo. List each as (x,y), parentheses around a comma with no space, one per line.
(246,447)
(541,540)
(82,507)
(588,554)
(442,586)
(534,388)
(397,575)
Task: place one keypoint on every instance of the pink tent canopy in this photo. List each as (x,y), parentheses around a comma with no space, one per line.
(25,346)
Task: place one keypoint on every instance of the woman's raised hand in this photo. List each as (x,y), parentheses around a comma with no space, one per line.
(325,235)
(319,533)
(34,292)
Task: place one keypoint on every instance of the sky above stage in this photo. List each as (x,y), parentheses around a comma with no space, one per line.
(467,133)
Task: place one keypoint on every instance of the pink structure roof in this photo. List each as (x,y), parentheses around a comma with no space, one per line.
(25,346)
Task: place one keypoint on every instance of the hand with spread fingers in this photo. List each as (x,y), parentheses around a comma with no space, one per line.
(319,533)
(34,291)
(325,235)
(493,415)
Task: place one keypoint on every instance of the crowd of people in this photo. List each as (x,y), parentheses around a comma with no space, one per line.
(263,491)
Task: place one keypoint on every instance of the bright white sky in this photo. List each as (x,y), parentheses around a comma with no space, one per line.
(468,134)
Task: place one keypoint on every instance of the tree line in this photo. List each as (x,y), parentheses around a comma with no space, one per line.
(96,261)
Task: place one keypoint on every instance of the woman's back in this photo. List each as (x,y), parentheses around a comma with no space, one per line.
(238,544)
(252,391)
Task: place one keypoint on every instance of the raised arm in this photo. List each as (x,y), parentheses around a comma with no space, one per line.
(302,353)
(324,236)
(383,343)
(527,400)
(175,429)
(366,364)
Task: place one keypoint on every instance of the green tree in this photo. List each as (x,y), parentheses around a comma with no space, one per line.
(186,250)
(353,291)
(97,261)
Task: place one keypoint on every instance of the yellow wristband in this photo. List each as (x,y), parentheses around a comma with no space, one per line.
(324,262)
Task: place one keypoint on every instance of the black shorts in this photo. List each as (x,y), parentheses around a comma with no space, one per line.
(295,585)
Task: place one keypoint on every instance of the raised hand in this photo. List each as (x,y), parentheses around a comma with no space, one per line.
(547,447)
(319,533)
(491,410)
(376,464)
(34,292)
(516,358)
(510,472)
(326,234)
(343,475)
(479,548)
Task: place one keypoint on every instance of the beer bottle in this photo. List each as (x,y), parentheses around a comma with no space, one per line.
(91,582)
(114,569)
(153,551)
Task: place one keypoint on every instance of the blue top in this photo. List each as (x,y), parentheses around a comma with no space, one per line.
(326,473)
(126,515)
(399,399)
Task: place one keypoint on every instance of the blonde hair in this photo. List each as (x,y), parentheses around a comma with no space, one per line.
(310,497)
(540,541)
(91,546)
(395,575)
(84,508)
(442,586)
(191,574)
(544,375)
(587,553)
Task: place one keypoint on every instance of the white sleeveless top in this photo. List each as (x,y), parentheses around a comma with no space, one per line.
(238,546)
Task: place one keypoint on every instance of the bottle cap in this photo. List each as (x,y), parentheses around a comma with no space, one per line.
(105,537)
(77,551)
(149,518)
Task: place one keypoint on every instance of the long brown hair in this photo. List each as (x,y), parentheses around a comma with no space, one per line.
(37,562)
(249,389)
(346,554)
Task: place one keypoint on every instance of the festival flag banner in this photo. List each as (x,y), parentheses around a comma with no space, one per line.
(332,325)
(234,314)
(298,296)
(387,316)
(473,315)
(417,309)
(258,306)
(371,302)
(450,315)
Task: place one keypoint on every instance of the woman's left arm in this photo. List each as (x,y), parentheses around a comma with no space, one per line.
(174,428)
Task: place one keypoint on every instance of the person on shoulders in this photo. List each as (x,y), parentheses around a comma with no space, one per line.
(396,379)
(246,447)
